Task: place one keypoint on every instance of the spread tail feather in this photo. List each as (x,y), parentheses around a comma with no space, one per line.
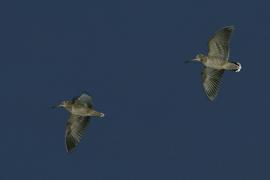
(239,67)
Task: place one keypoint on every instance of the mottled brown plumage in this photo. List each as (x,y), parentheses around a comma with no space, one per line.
(80,109)
(217,61)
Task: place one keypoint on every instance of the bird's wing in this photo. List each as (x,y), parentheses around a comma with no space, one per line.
(84,99)
(211,80)
(218,45)
(75,128)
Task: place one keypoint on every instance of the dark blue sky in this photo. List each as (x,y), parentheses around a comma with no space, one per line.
(129,55)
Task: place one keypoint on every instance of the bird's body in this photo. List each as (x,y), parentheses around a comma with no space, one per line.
(217,61)
(80,109)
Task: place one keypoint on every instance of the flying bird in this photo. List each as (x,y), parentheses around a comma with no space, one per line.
(81,110)
(216,62)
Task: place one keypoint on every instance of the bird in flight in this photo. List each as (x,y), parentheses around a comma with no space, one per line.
(217,61)
(81,110)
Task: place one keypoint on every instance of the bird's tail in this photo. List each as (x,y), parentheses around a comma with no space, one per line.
(238,68)
(96,113)
(101,115)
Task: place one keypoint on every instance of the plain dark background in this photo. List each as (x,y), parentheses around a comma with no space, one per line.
(129,55)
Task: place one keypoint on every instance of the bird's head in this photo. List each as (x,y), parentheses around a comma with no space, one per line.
(63,104)
(198,58)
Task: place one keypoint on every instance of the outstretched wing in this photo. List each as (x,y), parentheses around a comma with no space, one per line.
(84,99)
(211,80)
(218,45)
(75,128)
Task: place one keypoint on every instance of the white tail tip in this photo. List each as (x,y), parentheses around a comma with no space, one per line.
(239,67)
(102,114)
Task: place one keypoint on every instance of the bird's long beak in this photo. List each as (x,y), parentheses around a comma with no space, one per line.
(57,106)
(192,60)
